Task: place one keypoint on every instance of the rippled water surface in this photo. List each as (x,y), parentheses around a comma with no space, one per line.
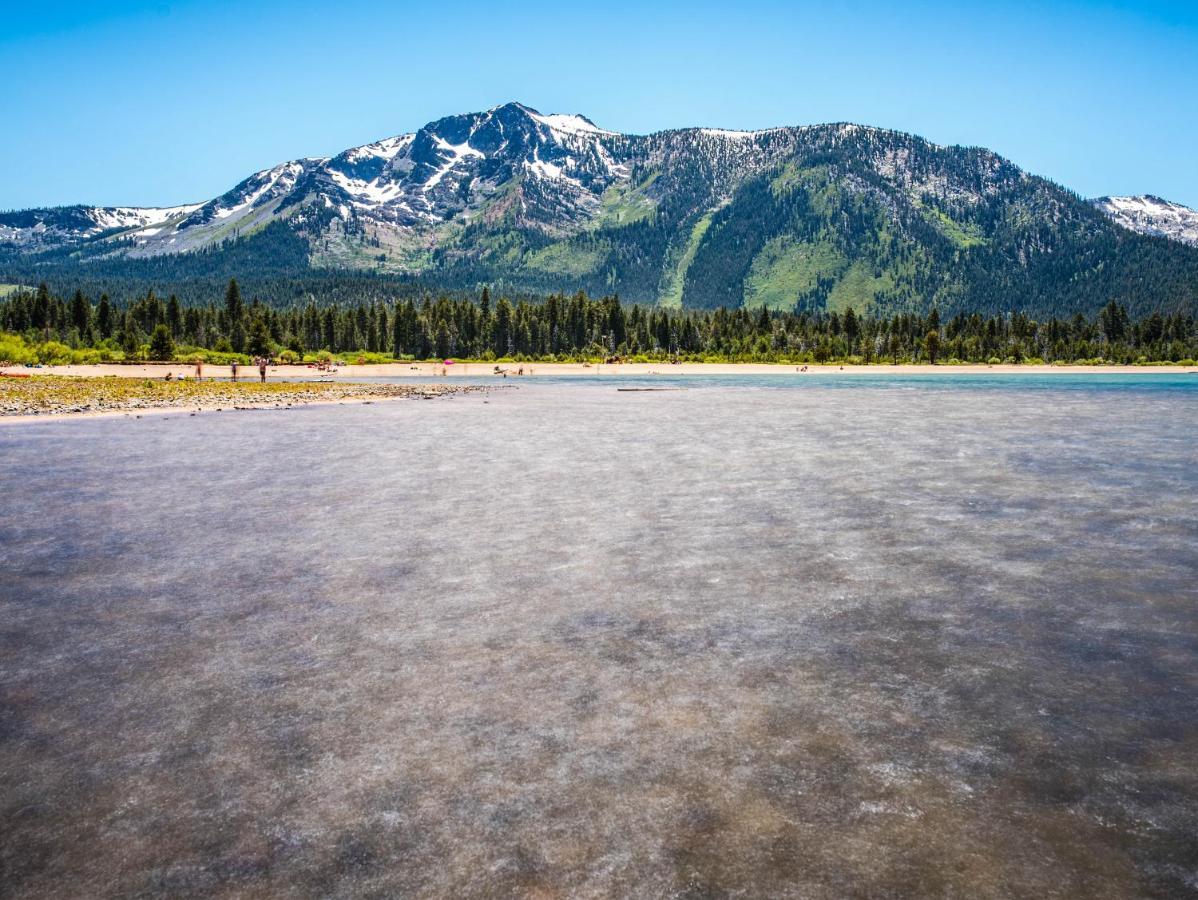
(802,638)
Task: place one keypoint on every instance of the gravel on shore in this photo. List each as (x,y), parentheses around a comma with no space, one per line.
(54,395)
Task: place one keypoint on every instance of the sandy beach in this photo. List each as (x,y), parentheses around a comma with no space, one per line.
(426,370)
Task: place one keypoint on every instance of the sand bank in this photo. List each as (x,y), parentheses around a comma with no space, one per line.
(39,398)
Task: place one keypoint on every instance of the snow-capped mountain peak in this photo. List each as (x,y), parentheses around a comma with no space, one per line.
(453,165)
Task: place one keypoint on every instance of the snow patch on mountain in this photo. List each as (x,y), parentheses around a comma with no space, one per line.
(543,169)
(457,152)
(367,193)
(131,217)
(1152,215)
(569,124)
(727,133)
(48,227)
(387,148)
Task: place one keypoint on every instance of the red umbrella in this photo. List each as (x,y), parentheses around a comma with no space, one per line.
(449,362)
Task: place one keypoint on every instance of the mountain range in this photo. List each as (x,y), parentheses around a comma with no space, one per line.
(817,217)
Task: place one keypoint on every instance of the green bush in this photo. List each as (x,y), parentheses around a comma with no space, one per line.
(213,357)
(52,353)
(13,349)
(88,357)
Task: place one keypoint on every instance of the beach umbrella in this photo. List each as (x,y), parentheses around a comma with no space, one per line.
(449,362)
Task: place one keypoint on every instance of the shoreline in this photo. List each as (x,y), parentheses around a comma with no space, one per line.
(165,411)
(427,370)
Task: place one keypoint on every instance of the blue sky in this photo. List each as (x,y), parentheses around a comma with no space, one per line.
(161,103)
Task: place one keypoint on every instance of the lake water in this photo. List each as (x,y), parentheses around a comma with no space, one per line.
(810,637)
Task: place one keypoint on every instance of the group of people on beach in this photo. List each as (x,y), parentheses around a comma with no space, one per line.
(260,361)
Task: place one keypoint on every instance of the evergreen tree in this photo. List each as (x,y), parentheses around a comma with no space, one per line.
(80,312)
(328,331)
(259,338)
(162,345)
(233,305)
(503,335)
(931,345)
(131,336)
(852,328)
(237,336)
(401,334)
(442,340)
(42,309)
(1113,321)
(174,316)
(104,317)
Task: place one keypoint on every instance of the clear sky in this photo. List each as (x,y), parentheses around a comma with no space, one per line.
(159,103)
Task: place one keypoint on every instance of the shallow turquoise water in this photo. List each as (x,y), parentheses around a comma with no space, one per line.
(1070,381)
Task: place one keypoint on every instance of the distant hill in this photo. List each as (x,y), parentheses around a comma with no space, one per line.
(815,217)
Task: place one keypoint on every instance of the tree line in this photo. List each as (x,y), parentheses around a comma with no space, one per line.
(560,327)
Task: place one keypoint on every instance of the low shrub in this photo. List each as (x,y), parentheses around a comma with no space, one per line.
(372,359)
(213,357)
(89,357)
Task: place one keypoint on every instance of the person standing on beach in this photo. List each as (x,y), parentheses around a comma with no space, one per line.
(233,369)
(262,368)
(199,370)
